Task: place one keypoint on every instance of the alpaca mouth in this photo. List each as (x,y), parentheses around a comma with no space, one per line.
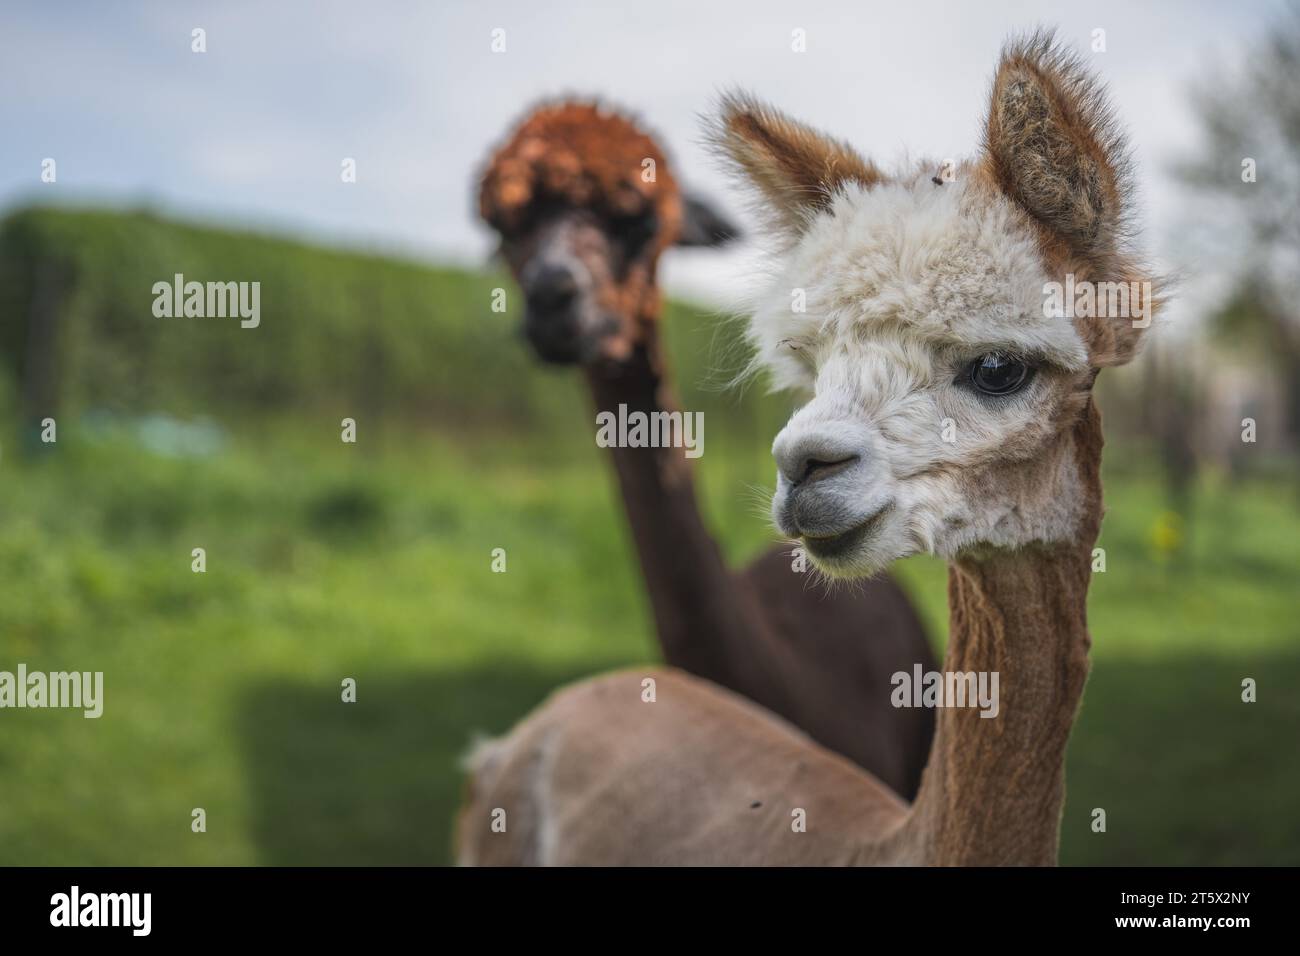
(567,338)
(837,545)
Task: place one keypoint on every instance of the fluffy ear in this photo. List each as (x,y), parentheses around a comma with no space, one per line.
(702,225)
(796,169)
(1053,146)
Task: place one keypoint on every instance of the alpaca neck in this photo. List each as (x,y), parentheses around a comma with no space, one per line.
(993,790)
(687,580)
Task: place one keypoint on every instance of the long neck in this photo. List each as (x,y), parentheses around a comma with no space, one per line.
(691,595)
(993,790)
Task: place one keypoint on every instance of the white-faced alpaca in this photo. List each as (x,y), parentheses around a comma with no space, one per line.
(925,304)
(582,228)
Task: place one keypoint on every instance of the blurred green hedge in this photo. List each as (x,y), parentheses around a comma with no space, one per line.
(356,333)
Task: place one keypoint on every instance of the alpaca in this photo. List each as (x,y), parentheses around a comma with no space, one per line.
(582,229)
(925,303)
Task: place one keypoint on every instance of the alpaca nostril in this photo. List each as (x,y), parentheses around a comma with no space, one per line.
(807,454)
(815,468)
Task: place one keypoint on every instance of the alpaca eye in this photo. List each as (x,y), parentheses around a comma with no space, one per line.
(996,373)
(636,230)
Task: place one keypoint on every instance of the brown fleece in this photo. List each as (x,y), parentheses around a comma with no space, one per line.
(585,156)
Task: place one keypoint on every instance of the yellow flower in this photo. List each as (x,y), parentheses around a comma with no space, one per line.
(1166,534)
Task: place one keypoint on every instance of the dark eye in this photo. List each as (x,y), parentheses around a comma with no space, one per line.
(996,373)
(636,230)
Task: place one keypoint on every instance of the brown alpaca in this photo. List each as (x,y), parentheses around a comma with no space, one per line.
(582,229)
(925,304)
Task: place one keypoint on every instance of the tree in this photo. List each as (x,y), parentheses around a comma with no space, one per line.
(1246,180)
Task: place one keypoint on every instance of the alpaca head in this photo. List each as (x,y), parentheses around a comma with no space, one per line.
(584,203)
(942,393)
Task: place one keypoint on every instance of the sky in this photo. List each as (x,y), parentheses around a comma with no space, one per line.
(254,130)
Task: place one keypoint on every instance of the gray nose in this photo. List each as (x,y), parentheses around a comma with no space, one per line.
(807,456)
(550,287)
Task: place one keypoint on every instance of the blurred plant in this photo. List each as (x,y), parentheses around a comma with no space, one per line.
(1166,536)
(1173,405)
(351,510)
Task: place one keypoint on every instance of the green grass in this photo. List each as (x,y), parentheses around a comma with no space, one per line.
(372,561)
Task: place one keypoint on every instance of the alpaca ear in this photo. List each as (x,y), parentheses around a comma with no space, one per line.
(1053,146)
(702,225)
(796,169)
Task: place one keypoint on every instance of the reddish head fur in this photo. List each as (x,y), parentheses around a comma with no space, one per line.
(585,156)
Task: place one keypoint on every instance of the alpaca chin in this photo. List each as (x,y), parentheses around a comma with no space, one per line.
(863,552)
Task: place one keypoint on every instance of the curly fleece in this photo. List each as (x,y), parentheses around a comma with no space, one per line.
(583,155)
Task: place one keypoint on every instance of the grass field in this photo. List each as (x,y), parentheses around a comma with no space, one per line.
(372,561)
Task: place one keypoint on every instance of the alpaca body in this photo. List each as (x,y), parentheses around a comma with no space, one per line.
(708,816)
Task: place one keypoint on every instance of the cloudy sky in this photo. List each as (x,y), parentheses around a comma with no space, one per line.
(254,130)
